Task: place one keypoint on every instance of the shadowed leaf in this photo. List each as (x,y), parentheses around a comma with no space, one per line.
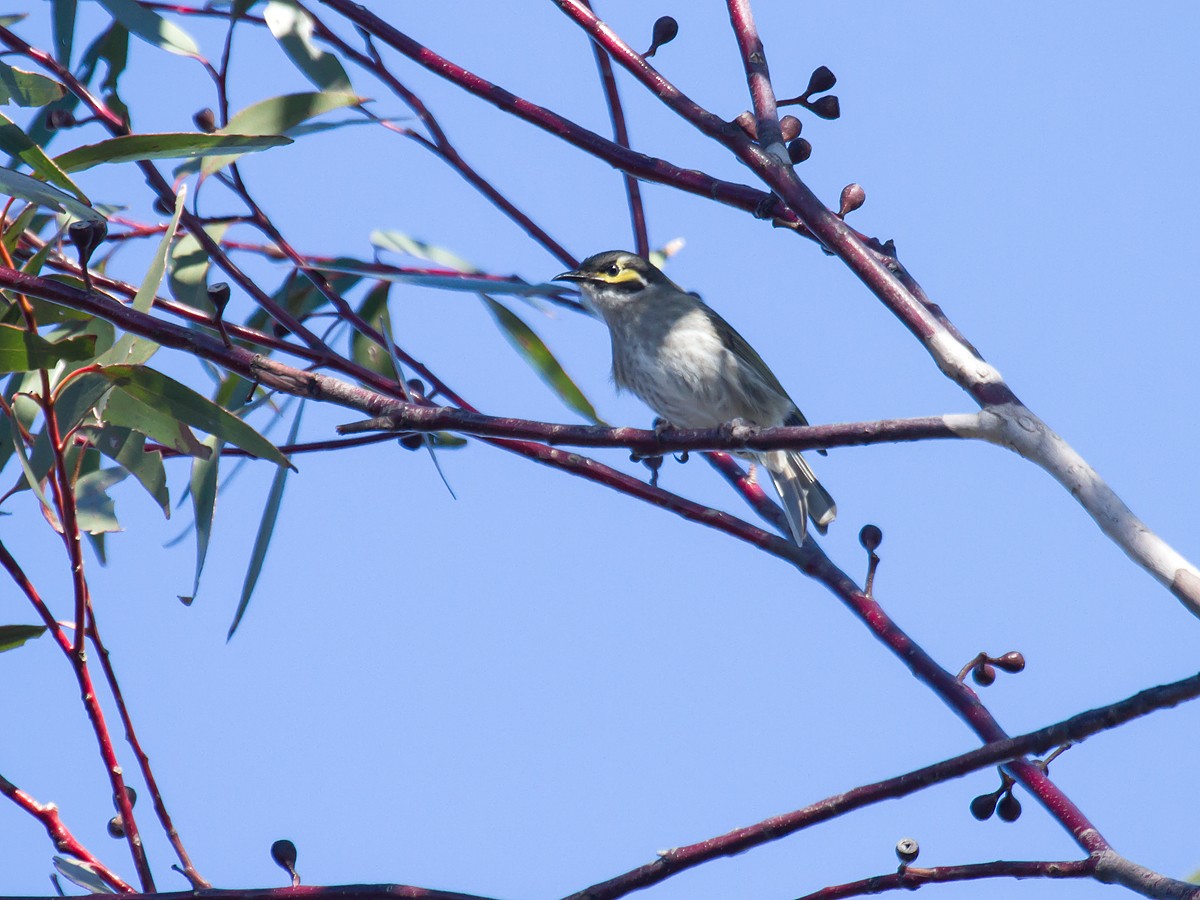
(159,396)
(23,351)
(275,116)
(538,355)
(134,147)
(13,636)
(266,527)
(151,27)
(16,184)
(293,28)
(27,88)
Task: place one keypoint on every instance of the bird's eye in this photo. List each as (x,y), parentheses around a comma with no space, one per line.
(614,269)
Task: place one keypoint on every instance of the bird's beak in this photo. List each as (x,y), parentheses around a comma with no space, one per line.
(573,275)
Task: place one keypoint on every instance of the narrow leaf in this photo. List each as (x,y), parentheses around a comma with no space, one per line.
(64,30)
(13,636)
(168,397)
(81,873)
(130,348)
(446,282)
(169,145)
(539,357)
(16,142)
(293,28)
(127,448)
(187,268)
(266,527)
(30,478)
(24,351)
(275,116)
(16,184)
(96,511)
(27,88)
(151,27)
(363,350)
(398,242)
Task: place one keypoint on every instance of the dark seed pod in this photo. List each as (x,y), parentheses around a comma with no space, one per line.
(666,29)
(205,120)
(1009,809)
(799,150)
(826,107)
(907,850)
(219,295)
(284,854)
(983,674)
(790,126)
(1011,662)
(59,118)
(983,806)
(131,794)
(116,828)
(821,80)
(412,441)
(870,536)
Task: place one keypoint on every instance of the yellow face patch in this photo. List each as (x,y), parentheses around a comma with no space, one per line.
(623,276)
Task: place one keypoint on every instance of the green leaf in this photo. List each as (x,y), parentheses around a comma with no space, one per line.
(266,527)
(275,116)
(169,145)
(17,142)
(27,88)
(64,30)
(538,355)
(148,416)
(233,394)
(293,28)
(13,636)
(127,448)
(131,348)
(166,397)
(96,511)
(16,184)
(187,268)
(398,242)
(30,478)
(446,282)
(151,27)
(364,351)
(24,351)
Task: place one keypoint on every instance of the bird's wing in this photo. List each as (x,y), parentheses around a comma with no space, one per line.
(749,358)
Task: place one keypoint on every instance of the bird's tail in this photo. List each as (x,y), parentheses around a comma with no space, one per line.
(803,496)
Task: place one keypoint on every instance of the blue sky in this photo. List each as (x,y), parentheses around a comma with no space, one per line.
(538,685)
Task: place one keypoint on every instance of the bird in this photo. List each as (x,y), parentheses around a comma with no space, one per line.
(692,368)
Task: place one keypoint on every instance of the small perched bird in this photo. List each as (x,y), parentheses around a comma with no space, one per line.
(690,366)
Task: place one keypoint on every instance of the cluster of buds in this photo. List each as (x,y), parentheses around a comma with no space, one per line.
(999,802)
(983,667)
(116,825)
(827,107)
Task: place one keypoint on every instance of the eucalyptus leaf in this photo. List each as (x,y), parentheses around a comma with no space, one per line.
(17,143)
(525,340)
(266,528)
(398,242)
(131,348)
(276,115)
(444,282)
(15,184)
(169,145)
(151,27)
(95,510)
(127,448)
(168,397)
(27,88)
(293,29)
(13,636)
(24,351)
